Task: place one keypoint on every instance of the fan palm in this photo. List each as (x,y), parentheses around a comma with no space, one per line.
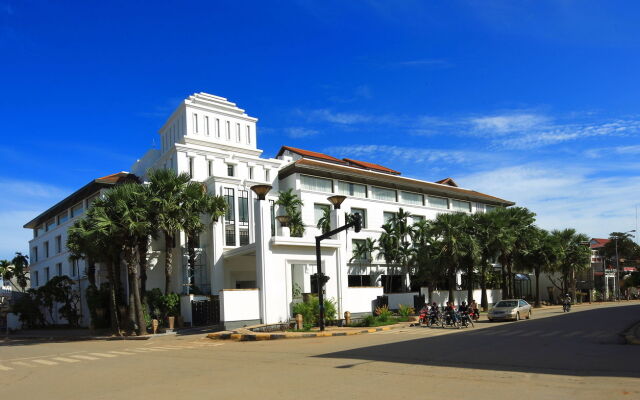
(291,204)
(324,223)
(166,189)
(453,242)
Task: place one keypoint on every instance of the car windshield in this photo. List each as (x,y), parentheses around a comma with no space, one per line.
(507,304)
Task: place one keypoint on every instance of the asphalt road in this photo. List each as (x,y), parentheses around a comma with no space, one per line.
(552,356)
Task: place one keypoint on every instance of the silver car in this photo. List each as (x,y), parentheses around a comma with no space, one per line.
(514,309)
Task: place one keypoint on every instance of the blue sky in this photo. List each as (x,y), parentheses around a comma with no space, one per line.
(534,101)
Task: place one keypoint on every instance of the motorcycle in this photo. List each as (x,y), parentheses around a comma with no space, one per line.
(566,307)
(466,319)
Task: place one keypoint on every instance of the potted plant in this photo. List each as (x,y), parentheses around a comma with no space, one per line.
(171,305)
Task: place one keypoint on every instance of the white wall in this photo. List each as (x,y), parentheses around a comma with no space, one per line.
(360,299)
(442,296)
(395,299)
(239,305)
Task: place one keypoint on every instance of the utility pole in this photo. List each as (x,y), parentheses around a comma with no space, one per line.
(322,278)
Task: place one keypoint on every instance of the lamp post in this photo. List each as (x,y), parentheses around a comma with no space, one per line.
(617,278)
(336,201)
(262,243)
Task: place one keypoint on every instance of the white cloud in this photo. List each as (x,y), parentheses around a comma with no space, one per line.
(565,196)
(340,118)
(508,123)
(298,132)
(374,153)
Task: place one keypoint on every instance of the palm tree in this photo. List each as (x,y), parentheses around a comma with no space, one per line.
(402,230)
(388,249)
(572,257)
(485,232)
(291,204)
(363,251)
(324,223)
(453,242)
(125,216)
(196,202)
(166,189)
(17,268)
(539,255)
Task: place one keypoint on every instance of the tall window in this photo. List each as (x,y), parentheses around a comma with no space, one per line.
(230,170)
(267,175)
(195,123)
(318,212)
(46,249)
(210,168)
(316,184)
(352,189)
(230,226)
(383,194)
(248,134)
(363,215)
(206,125)
(74,268)
(35,254)
(46,274)
(58,244)
(388,216)
(272,206)
(459,205)
(228,130)
(217,127)
(438,202)
(243,207)
(63,217)
(238,133)
(250,172)
(412,198)
(191,167)
(59,269)
(36,279)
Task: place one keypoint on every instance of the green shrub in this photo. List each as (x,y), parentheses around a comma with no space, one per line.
(405,311)
(369,320)
(171,304)
(306,311)
(310,311)
(27,307)
(383,313)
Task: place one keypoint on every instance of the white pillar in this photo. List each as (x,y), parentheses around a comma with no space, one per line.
(263,222)
(342,279)
(217,262)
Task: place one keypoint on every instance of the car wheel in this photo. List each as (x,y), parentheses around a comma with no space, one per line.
(529,315)
(517,316)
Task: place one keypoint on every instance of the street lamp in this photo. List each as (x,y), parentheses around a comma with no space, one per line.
(261,190)
(617,288)
(284,220)
(336,201)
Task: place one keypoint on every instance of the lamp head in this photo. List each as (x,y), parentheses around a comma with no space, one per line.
(261,190)
(336,201)
(284,220)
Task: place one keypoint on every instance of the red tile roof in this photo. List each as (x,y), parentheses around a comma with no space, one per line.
(447,181)
(113,178)
(368,165)
(307,153)
(599,242)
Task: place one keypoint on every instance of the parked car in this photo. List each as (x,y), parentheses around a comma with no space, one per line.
(514,309)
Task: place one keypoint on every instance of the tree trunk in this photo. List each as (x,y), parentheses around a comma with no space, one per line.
(168,259)
(131,307)
(469,284)
(452,285)
(136,313)
(430,293)
(537,273)
(113,305)
(91,271)
(191,263)
(573,286)
(503,283)
(510,290)
(143,246)
(483,286)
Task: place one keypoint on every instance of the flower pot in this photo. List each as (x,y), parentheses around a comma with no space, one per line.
(172,321)
(154,325)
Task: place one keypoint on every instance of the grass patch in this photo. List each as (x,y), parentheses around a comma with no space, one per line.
(375,321)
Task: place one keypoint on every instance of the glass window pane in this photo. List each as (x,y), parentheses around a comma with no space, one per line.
(363,214)
(383,194)
(388,216)
(316,184)
(352,189)
(458,205)
(438,202)
(318,212)
(412,198)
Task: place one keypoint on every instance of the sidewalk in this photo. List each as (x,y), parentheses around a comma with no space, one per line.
(246,335)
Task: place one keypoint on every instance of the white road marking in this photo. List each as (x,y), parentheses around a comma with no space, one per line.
(85,357)
(45,362)
(23,364)
(103,355)
(3,368)
(65,359)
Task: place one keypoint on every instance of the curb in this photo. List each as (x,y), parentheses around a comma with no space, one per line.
(243,337)
(632,335)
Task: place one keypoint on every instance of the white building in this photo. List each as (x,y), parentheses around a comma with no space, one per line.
(246,261)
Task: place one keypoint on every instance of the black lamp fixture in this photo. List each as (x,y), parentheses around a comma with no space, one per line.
(261,190)
(336,200)
(284,220)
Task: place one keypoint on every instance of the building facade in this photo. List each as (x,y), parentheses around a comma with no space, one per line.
(257,270)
